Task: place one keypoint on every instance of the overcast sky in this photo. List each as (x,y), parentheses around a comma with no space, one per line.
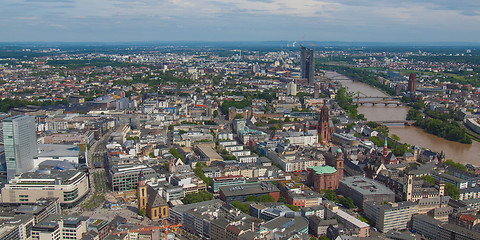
(240,20)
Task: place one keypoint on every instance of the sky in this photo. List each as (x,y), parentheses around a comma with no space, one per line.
(239,20)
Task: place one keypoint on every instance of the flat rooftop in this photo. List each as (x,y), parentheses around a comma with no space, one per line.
(46,175)
(249,189)
(365,186)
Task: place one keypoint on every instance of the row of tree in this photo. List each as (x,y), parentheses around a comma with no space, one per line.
(346,103)
(332,196)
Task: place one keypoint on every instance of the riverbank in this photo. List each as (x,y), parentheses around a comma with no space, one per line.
(463,153)
(475,136)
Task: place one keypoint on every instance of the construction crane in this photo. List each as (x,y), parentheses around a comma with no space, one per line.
(147,229)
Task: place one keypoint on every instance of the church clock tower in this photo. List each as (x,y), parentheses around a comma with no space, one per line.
(142,192)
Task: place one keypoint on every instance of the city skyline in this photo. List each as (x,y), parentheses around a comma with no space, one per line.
(240,20)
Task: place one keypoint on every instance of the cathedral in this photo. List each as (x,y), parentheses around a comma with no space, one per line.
(325,126)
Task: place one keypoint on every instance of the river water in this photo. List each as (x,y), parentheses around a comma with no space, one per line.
(464,153)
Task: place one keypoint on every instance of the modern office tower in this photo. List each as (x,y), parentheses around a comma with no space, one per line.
(412,82)
(308,64)
(20,143)
(291,88)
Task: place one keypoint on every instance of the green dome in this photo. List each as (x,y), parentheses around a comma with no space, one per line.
(339,150)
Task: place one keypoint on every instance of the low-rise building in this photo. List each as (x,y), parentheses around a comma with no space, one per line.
(284,227)
(124,177)
(240,192)
(65,227)
(318,226)
(303,198)
(270,211)
(362,190)
(434,229)
(18,227)
(69,186)
(460,183)
(313,210)
(208,154)
(352,223)
(391,215)
(227,181)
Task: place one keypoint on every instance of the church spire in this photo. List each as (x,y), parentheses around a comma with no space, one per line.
(385,149)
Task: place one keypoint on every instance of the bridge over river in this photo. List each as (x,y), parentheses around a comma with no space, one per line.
(378,100)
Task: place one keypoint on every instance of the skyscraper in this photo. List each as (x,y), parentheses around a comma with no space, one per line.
(20,142)
(291,88)
(412,82)
(307,62)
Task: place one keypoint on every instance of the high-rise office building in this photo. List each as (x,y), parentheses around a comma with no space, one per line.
(307,63)
(20,143)
(292,88)
(412,82)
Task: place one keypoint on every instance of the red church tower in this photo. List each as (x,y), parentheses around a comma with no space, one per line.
(324,130)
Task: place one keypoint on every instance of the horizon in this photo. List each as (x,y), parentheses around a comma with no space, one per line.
(239,20)
(250,43)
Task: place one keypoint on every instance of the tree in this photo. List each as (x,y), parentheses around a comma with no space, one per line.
(176,154)
(251,198)
(293,207)
(405,99)
(324,237)
(266,198)
(282,199)
(199,172)
(197,197)
(372,124)
(347,202)
(215,113)
(377,141)
(244,207)
(396,137)
(142,212)
(238,116)
(383,129)
(429,179)
(400,150)
(287,119)
(456,165)
(330,195)
(452,191)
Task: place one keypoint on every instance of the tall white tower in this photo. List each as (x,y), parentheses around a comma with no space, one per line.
(292,88)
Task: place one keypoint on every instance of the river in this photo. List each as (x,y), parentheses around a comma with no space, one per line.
(464,153)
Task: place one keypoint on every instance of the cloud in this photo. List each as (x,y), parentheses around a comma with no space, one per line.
(27,18)
(242,19)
